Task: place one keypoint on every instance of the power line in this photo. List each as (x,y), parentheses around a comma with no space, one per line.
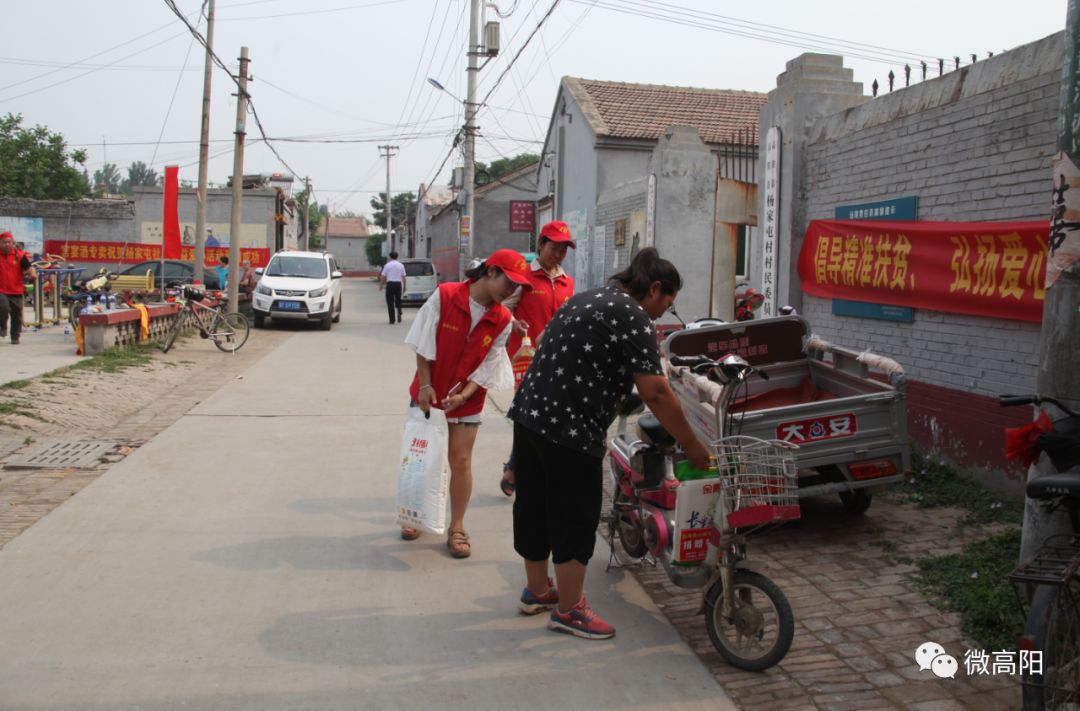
(310,12)
(176,88)
(528,39)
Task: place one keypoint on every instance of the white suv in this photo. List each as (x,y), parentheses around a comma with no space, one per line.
(299,285)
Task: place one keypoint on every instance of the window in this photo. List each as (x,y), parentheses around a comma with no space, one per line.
(741,252)
(304,267)
(418,269)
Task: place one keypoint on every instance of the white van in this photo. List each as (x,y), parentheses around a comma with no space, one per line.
(421,280)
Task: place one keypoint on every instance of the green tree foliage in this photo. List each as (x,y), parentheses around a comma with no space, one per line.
(374,250)
(36,164)
(107,180)
(140,174)
(403,209)
(486,173)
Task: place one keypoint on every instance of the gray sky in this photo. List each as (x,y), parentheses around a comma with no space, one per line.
(123,73)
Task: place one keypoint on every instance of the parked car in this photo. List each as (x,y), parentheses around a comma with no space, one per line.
(421,280)
(176,273)
(298,286)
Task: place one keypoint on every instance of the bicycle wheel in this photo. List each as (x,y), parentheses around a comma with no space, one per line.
(74,307)
(229,331)
(761,628)
(174,331)
(1053,626)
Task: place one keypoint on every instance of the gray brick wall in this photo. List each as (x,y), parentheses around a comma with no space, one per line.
(981,153)
(614,205)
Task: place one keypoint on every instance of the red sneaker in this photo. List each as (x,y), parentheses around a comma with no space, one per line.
(580,621)
(531,604)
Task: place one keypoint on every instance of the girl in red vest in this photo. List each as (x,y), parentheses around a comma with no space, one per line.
(551,287)
(460,337)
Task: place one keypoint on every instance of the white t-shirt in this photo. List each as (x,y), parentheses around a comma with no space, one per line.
(494,373)
(394,271)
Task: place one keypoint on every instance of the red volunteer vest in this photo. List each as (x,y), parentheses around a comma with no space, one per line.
(457,352)
(537,307)
(11,274)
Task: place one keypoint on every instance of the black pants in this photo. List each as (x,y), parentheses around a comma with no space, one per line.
(393,300)
(11,306)
(559,495)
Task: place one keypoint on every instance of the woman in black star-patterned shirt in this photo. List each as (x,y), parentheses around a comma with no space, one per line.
(599,344)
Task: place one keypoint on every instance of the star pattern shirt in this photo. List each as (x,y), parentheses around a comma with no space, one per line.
(584,368)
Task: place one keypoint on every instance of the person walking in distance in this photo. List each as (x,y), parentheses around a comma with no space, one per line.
(460,338)
(599,344)
(14,266)
(533,309)
(393,280)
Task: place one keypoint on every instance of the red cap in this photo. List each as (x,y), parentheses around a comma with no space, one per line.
(557,231)
(512,265)
(6,234)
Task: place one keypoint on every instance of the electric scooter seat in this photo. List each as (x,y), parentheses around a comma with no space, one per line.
(1053,486)
(650,430)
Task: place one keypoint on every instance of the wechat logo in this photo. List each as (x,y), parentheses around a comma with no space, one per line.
(931,656)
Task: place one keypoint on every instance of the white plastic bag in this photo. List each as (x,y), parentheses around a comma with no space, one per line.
(423,480)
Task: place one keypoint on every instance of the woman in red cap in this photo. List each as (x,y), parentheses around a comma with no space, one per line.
(460,336)
(533,310)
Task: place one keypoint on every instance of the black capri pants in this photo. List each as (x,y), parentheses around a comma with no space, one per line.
(559,495)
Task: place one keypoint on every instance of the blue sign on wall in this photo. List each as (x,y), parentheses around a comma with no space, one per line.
(905,208)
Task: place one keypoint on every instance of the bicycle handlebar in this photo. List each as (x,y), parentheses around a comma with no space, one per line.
(1013,400)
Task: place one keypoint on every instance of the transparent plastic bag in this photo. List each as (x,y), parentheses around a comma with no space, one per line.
(423,479)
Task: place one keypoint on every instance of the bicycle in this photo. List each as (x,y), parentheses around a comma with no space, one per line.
(229,331)
(1050,579)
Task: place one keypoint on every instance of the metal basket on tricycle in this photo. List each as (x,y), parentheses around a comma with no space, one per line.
(759,480)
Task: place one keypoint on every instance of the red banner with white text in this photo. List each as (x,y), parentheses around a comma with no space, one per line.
(133,253)
(994,269)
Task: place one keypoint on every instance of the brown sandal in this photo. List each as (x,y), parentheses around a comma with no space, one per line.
(409,534)
(458,543)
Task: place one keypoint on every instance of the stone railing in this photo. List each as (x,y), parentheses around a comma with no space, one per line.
(120,328)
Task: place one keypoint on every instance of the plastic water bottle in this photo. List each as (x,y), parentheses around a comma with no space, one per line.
(522,360)
(104,302)
(112,302)
(89,303)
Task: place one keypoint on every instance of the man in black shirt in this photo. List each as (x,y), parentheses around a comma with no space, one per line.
(599,344)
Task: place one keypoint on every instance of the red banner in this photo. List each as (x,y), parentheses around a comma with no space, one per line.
(133,253)
(994,269)
(522,215)
(171,217)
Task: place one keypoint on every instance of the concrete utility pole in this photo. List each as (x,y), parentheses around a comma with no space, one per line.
(238,184)
(307,209)
(204,148)
(1058,375)
(390,152)
(468,220)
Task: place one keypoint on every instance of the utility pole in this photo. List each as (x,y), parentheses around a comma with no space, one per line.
(238,184)
(468,220)
(204,148)
(307,208)
(1060,340)
(390,151)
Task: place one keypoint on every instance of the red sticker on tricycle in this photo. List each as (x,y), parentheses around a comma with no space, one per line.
(817,429)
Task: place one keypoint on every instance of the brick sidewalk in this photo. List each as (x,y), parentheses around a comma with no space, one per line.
(858,620)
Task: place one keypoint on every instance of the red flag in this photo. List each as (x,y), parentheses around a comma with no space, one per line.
(171,216)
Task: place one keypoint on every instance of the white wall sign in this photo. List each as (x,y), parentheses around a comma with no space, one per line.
(650,211)
(769,251)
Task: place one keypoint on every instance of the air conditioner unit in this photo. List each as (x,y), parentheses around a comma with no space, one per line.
(491,38)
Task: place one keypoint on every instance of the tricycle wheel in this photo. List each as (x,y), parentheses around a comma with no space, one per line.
(856,502)
(761,627)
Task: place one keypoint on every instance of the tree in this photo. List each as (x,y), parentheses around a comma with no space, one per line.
(107,180)
(140,174)
(402,209)
(503,166)
(36,163)
(374,250)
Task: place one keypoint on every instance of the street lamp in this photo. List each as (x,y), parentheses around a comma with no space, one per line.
(470,145)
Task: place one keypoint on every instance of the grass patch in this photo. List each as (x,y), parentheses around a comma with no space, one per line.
(936,485)
(14,407)
(15,385)
(113,360)
(973,583)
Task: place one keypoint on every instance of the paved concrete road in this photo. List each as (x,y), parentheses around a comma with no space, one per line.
(38,352)
(247,558)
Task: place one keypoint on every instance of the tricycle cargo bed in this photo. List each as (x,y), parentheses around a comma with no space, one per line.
(851,428)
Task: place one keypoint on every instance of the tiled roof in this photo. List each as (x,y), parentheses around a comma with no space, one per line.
(644,111)
(344,226)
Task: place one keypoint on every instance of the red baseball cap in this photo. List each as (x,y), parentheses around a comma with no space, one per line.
(557,231)
(512,265)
